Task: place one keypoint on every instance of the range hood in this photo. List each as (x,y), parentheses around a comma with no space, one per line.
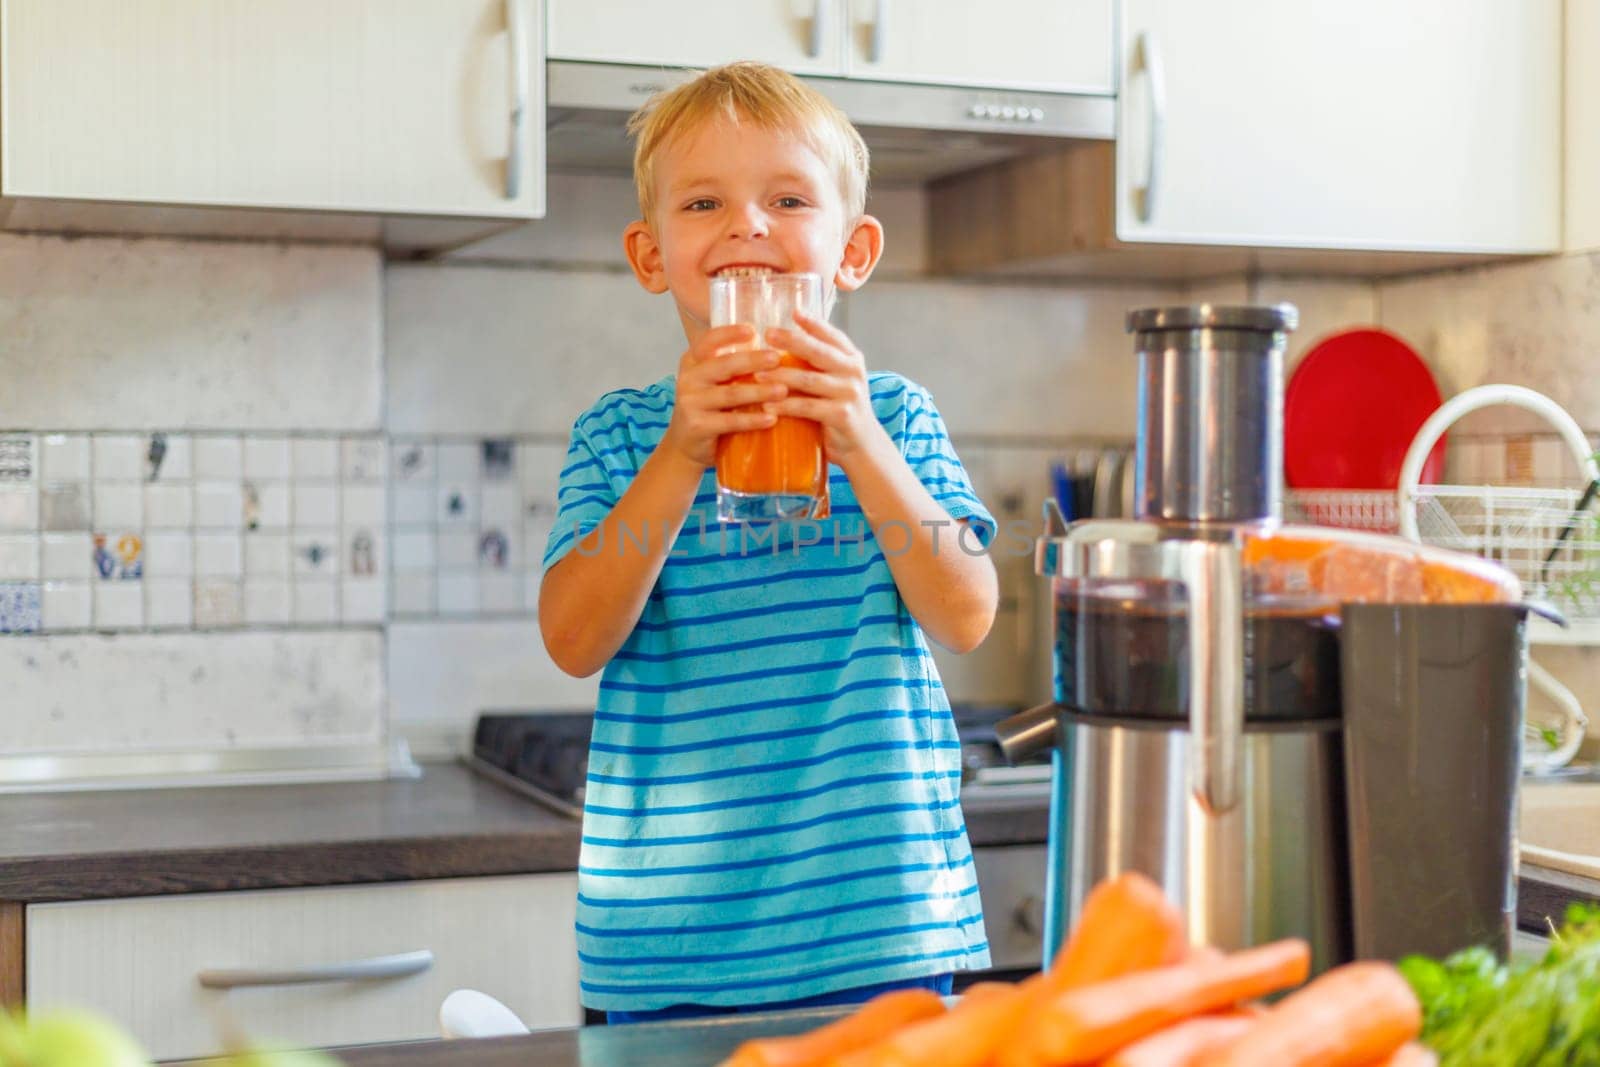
(916,133)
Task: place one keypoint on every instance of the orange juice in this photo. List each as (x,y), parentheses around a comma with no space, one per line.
(786,457)
(779,473)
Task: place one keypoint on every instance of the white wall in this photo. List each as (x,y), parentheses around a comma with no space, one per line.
(255,341)
(1536,324)
(521,333)
(171,335)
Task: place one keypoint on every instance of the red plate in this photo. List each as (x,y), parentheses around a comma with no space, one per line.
(1350,412)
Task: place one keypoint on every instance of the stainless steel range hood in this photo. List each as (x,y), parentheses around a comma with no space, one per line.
(915,132)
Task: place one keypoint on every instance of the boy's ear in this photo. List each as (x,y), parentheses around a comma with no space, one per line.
(644,256)
(862,250)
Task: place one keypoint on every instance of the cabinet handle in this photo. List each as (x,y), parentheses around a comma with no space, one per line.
(1146,57)
(1029,916)
(367,970)
(880,29)
(516,28)
(819,28)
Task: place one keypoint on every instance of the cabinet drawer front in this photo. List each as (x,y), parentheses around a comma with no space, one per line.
(139,960)
(804,36)
(360,105)
(1012,882)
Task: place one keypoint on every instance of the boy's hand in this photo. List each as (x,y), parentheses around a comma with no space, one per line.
(707,401)
(833,390)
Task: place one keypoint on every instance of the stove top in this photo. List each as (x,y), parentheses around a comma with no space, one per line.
(544,755)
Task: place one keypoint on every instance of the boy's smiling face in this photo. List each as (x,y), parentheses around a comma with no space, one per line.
(740,196)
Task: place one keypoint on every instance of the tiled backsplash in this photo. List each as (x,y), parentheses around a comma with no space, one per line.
(264,364)
(470,520)
(177,531)
(171,531)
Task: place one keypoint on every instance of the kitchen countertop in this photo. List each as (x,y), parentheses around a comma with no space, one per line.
(1544,894)
(691,1043)
(688,1043)
(448,823)
(703,1043)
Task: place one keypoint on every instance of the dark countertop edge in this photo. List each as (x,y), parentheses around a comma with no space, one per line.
(130,874)
(1543,895)
(547,844)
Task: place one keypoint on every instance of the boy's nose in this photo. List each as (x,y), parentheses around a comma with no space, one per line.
(747,223)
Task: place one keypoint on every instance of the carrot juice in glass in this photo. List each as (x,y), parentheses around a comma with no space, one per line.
(781,472)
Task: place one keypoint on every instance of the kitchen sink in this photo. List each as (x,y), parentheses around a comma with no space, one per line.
(1561,826)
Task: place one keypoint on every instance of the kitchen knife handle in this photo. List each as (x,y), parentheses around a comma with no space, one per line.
(1147,57)
(373,968)
(516,30)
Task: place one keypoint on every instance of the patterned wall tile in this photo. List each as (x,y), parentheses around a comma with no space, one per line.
(21,609)
(19,459)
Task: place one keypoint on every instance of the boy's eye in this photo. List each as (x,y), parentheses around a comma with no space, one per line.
(702,204)
(791,201)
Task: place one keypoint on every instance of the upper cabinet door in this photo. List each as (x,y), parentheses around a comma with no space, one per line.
(803,36)
(1045,45)
(1430,124)
(378,106)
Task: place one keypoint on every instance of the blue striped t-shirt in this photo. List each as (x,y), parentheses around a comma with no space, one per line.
(772,804)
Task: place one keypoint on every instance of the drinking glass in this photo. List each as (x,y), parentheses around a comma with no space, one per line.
(781,472)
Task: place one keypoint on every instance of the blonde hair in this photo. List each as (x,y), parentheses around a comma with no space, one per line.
(772,99)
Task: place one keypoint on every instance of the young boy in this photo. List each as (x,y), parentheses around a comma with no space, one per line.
(772,814)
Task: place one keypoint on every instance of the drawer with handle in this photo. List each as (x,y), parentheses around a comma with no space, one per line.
(326,966)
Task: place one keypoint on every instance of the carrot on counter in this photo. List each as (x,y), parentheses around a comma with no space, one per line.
(1085,1025)
(1410,1054)
(965,1036)
(1183,1044)
(1352,1016)
(980,990)
(877,1018)
(1127,924)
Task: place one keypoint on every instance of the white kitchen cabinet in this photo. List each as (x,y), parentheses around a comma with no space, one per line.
(139,960)
(1582,126)
(1430,125)
(388,107)
(802,36)
(1045,45)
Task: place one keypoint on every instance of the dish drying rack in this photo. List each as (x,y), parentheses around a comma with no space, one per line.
(1548,538)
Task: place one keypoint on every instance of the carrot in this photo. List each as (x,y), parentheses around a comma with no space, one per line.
(979,990)
(1183,1044)
(1349,1017)
(882,1015)
(1085,1025)
(966,1036)
(1127,924)
(1410,1054)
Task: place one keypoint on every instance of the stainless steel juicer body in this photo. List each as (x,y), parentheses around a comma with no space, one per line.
(1296,751)
(1239,821)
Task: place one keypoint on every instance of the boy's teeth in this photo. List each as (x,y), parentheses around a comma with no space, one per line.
(743,272)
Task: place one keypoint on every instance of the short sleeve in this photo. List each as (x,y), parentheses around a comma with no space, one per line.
(584,498)
(925,443)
